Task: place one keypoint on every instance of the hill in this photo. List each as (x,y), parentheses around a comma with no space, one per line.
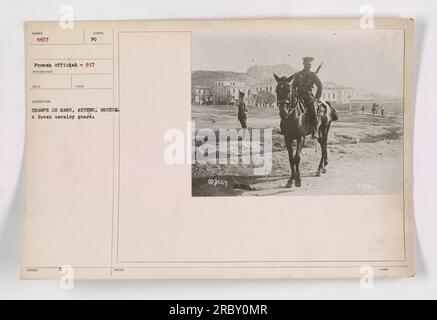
(253,75)
(207,78)
(266,72)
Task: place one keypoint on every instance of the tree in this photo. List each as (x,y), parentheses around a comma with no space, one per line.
(265,98)
(223,99)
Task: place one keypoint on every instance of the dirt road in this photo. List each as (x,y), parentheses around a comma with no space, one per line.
(365,157)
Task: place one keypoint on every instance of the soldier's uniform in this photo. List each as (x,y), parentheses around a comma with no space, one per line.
(242,111)
(303,85)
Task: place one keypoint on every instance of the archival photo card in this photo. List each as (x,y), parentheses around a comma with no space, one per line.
(222,149)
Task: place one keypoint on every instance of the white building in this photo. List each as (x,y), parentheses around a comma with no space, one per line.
(229,88)
(259,93)
(331,91)
(337,93)
(268,85)
(201,95)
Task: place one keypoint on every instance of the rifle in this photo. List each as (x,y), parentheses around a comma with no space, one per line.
(318,69)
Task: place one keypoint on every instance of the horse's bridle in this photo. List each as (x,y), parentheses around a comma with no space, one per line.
(289,106)
(285,103)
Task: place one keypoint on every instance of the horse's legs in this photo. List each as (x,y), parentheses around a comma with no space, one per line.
(322,143)
(325,148)
(323,140)
(300,143)
(289,145)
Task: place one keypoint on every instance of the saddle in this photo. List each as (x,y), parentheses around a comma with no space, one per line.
(300,105)
(334,115)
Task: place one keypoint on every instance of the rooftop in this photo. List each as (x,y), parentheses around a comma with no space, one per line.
(201,87)
(333,85)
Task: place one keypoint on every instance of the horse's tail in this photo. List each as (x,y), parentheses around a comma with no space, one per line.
(334,115)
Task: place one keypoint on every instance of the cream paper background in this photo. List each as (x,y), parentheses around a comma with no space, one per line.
(100,197)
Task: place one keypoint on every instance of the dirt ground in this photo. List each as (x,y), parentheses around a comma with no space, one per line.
(365,154)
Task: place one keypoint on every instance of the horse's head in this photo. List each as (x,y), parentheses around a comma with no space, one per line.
(283,90)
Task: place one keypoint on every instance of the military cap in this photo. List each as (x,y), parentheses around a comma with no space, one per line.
(241,94)
(309,59)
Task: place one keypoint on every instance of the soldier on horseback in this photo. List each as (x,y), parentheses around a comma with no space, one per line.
(296,100)
(303,85)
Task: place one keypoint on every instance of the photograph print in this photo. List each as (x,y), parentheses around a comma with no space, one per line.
(299,112)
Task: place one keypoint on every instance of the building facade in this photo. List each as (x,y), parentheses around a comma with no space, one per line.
(201,95)
(337,93)
(263,93)
(227,91)
(266,86)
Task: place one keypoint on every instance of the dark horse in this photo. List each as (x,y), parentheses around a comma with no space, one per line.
(295,127)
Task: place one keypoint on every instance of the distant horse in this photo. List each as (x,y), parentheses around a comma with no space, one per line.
(375,108)
(295,127)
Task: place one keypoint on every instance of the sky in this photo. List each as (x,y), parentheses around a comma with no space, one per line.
(371,59)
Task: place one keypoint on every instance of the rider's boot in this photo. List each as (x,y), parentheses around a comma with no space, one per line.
(315,133)
(281,130)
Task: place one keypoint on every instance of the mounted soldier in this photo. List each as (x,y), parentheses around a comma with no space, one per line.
(298,108)
(302,86)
